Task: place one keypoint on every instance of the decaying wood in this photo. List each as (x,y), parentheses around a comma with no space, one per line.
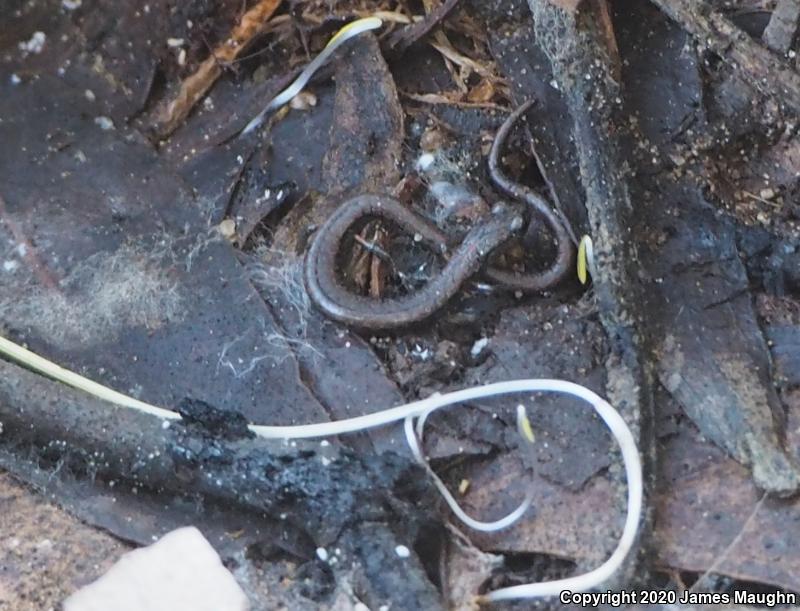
(195,86)
(761,69)
(782,27)
(583,65)
(346,499)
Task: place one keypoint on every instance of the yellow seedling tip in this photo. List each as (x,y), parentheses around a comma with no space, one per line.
(524,425)
(362,25)
(584,252)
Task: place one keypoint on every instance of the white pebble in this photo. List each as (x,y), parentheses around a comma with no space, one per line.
(402,551)
(479,346)
(425,161)
(104,123)
(322,554)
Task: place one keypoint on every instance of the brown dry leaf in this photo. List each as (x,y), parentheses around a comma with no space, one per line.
(710,515)
(483,92)
(196,85)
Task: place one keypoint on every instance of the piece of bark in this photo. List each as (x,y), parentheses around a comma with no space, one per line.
(367,137)
(712,356)
(584,67)
(330,493)
(760,68)
(710,350)
(782,26)
(180,572)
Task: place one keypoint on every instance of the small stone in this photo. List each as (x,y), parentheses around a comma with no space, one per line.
(767,194)
(181,572)
(303,101)
(402,551)
(227,229)
(479,347)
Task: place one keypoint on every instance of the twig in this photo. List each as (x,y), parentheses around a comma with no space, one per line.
(404,38)
(195,86)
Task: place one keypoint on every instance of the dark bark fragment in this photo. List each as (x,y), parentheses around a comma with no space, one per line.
(710,351)
(782,26)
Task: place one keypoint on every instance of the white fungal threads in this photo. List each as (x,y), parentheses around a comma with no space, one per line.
(346,33)
(419,411)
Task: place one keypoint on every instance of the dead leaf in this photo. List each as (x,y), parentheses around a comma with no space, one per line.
(482,92)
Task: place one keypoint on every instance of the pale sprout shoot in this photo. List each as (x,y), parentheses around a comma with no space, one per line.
(414,416)
(284,97)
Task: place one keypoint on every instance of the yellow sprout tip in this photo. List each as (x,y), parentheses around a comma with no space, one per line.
(524,424)
(367,23)
(583,262)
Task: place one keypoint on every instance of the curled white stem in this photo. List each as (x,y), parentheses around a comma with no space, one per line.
(420,410)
